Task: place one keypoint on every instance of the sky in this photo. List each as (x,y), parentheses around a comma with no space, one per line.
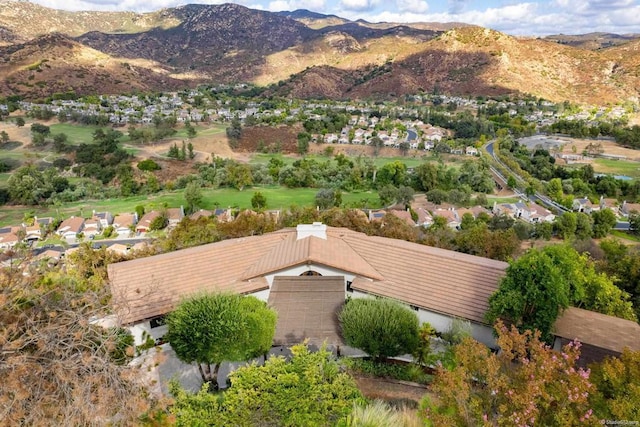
(533,17)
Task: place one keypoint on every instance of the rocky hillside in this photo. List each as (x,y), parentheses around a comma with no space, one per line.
(309,54)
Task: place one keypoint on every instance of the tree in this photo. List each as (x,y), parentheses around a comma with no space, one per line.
(303,142)
(27,185)
(193,196)
(541,283)
(56,366)
(258,201)
(191,131)
(531,294)
(388,195)
(328,198)
(234,131)
(603,222)
(211,328)
(20,122)
(239,175)
(617,381)
(566,225)
(380,327)
(148,165)
(191,154)
(526,383)
(309,390)
(4,137)
(405,195)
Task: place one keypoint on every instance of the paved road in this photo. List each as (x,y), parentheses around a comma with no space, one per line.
(96,244)
(539,197)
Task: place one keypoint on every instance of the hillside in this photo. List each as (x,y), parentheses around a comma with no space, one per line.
(308,54)
(55,63)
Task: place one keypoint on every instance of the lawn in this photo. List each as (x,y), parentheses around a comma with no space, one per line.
(277,198)
(617,167)
(79,134)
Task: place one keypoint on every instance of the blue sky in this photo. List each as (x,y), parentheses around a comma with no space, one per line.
(533,17)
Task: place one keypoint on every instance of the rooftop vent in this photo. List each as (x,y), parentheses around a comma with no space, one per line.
(317,229)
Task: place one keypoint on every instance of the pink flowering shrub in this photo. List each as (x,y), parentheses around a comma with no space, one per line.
(526,384)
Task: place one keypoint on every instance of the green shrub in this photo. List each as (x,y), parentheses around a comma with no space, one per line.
(148,165)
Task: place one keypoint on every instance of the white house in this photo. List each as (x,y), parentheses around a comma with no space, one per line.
(440,285)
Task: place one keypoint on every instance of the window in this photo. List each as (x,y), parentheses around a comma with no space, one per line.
(414,307)
(349,289)
(311,273)
(156,322)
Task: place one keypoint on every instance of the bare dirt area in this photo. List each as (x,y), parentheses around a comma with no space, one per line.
(378,388)
(281,139)
(22,134)
(609,147)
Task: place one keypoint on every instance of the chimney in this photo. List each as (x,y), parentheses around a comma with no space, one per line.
(317,229)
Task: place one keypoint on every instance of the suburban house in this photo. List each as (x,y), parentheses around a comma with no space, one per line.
(123,223)
(144,225)
(71,227)
(471,151)
(425,219)
(105,218)
(201,213)
(404,215)
(599,334)
(449,215)
(584,205)
(8,240)
(628,208)
(175,215)
(33,232)
(295,265)
(532,212)
(92,227)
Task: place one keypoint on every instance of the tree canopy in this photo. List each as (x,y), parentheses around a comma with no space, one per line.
(309,390)
(541,283)
(380,327)
(211,328)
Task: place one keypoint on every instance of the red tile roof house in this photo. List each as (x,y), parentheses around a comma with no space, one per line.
(92,227)
(123,224)
(71,227)
(144,225)
(8,240)
(440,285)
(175,215)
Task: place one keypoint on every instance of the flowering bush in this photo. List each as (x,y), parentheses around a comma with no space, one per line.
(526,384)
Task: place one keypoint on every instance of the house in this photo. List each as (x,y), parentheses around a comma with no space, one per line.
(628,208)
(584,205)
(123,223)
(404,215)
(33,232)
(201,213)
(535,213)
(440,285)
(105,218)
(450,216)
(92,227)
(144,225)
(599,334)
(118,248)
(471,151)
(610,204)
(175,215)
(425,219)
(8,240)
(71,227)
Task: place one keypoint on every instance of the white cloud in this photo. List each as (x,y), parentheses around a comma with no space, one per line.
(313,5)
(358,5)
(413,6)
(457,6)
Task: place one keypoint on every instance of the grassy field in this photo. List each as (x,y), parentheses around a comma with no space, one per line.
(79,134)
(617,167)
(277,198)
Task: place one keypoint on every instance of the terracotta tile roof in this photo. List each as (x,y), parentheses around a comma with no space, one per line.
(403,215)
(124,220)
(146,220)
(201,213)
(293,252)
(307,307)
(600,330)
(73,224)
(436,279)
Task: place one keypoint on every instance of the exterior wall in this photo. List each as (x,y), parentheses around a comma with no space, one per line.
(323,270)
(143,329)
(442,323)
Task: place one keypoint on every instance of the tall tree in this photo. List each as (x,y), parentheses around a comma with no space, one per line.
(209,329)
(193,196)
(380,327)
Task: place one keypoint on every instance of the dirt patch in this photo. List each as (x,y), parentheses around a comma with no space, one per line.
(378,388)
(22,134)
(280,139)
(609,147)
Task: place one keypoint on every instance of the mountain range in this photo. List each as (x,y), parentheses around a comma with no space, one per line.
(44,51)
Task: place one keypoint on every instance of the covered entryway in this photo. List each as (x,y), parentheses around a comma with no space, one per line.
(307,307)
